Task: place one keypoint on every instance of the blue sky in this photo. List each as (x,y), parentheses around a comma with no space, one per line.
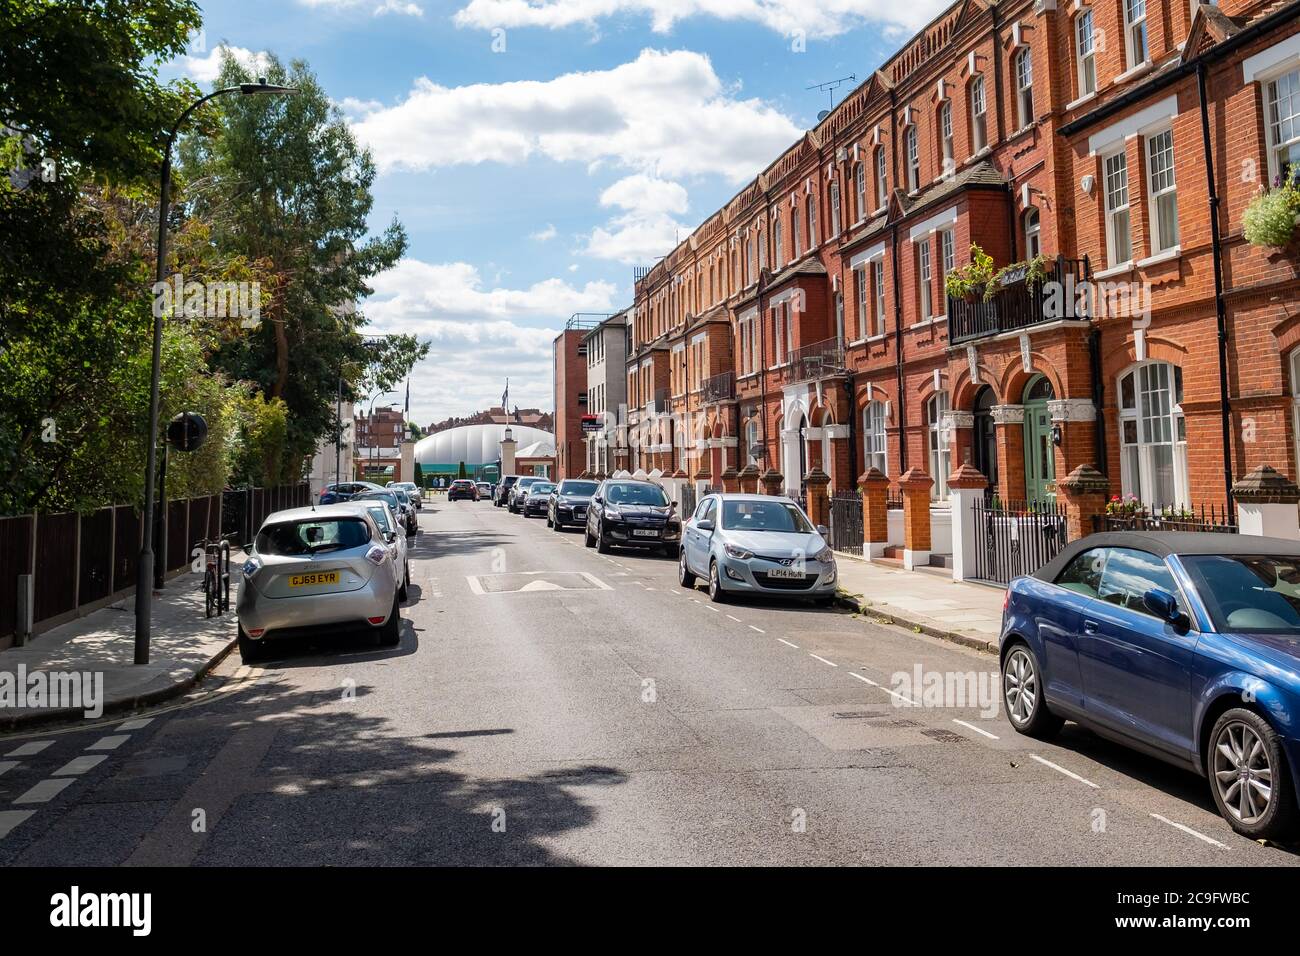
(535,150)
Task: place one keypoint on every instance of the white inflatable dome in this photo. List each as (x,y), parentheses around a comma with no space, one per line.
(473,444)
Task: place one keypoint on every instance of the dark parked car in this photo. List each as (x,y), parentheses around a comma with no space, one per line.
(631,513)
(397,501)
(516,495)
(501,494)
(569,502)
(538,498)
(1185,646)
(462,489)
(333,493)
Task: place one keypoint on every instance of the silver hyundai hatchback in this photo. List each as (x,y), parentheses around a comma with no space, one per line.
(756,544)
(323,569)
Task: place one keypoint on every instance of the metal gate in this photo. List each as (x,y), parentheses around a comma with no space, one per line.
(846,522)
(1017,538)
(689,500)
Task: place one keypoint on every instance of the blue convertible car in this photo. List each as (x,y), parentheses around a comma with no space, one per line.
(1185,646)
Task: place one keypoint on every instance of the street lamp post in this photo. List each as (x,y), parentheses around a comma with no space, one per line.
(144,570)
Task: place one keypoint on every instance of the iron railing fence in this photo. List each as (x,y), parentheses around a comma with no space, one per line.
(846,522)
(1016,305)
(1016,538)
(1212,518)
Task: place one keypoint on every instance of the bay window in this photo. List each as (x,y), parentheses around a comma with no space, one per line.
(940,454)
(875,450)
(1153,435)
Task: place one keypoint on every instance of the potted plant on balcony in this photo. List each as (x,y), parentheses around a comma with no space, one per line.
(971,281)
(1029,271)
(1271,217)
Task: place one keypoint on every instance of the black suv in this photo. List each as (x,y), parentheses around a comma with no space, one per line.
(569,503)
(631,513)
(502,491)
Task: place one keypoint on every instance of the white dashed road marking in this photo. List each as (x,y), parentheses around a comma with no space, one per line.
(1069,773)
(865,680)
(7,765)
(11,818)
(137,724)
(977,730)
(823,660)
(1186,829)
(44,792)
(736,619)
(787,643)
(759,629)
(29,749)
(79,765)
(109,743)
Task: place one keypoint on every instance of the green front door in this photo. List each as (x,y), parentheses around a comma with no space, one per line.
(1040,455)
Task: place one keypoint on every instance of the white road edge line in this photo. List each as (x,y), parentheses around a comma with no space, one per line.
(978,730)
(759,629)
(1186,829)
(736,619)
(822,659)
(1069,773)
(787,643)
(865,680)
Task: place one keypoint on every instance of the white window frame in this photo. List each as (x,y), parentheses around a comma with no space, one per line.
(751,440)
(812,222)
(939,452)
(860,190)
(1085,55)
(1274,127)
(778,337)
(1135,33)
(912,138)
(1162,187)
(835,209)
(1032,220)
(860,287)
(778,252)
(796,231)
(947,155)
(978,103)
(878,277)
(1025,87)
(882,176)
(1115,208)
(875,437)
(1157,419)
(925,279)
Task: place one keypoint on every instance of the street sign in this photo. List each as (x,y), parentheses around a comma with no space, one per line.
(591,423)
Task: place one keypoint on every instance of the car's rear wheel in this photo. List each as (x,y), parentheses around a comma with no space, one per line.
(716,593)
(391,633)
(1022,693)
(249,649)
(685,576)
(1249,777)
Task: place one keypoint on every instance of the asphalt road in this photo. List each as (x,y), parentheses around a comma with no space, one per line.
(549,705)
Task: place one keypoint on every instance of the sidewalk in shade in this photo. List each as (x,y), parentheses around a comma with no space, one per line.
(928,600)
(184,646)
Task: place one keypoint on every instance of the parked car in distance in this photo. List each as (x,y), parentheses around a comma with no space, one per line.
(397,501)
(520,490)
(1182,645)
(537,499)
(391,528)
(485,490)
(569,502)
(503,489)
(312,570)
(756,544)
(628,512)
(412,490)
(462,489)
(335,492)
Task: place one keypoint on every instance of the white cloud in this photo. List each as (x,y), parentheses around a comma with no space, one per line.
(397,6)
(480,334)
(667,113)
(545,235)
(205,69)
(647,227)
(811,18)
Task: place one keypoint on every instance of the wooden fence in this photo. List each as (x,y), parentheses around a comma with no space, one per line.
(81,562)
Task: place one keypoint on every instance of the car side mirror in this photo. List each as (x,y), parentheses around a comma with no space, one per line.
(1163,605)
(705,524)
(390,536)
(824,531)
(598,499)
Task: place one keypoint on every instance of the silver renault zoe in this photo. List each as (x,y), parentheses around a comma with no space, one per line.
(322,569)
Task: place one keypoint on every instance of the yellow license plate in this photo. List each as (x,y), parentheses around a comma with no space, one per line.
(319,577)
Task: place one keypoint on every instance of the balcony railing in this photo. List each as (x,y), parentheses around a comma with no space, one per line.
(718,388)
(1018,304)
(818,360)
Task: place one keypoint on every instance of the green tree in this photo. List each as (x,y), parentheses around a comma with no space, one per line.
(284,184)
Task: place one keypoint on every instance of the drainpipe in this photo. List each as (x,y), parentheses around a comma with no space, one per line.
(1098,396)
(1220,308)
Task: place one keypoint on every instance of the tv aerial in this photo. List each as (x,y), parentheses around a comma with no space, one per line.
(830,86)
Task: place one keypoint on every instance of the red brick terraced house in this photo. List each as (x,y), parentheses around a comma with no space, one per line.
(806,325)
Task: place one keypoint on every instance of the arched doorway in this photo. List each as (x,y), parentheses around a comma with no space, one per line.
(986,437)
(1040,453)
(803,451)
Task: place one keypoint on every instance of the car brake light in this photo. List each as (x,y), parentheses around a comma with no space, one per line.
(375,620)
(376,555)
(256,631)
(1006,600)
